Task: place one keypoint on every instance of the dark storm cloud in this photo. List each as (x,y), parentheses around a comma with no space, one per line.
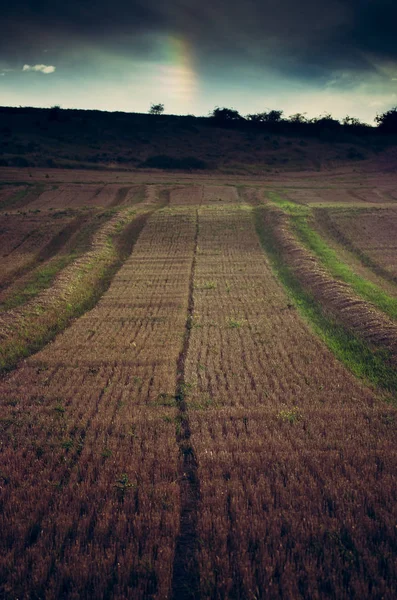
(309,38)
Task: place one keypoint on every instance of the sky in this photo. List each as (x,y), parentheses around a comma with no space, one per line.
(333,56)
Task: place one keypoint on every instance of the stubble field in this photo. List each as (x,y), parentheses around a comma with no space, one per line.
(198,386)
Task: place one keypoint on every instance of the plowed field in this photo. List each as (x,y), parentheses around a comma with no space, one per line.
(191,435)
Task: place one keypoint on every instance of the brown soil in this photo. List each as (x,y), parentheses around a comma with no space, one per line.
(360,263)
(67,196)
(9,191)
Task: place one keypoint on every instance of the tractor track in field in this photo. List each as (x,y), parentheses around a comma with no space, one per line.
(185,579)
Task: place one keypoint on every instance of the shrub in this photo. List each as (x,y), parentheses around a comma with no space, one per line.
(156,109)
(273,116)
(226,115)
(387,121)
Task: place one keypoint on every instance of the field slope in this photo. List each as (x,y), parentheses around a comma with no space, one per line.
(193,434)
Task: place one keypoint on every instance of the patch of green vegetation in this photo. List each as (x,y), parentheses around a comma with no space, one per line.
(18,198)
(122,485)
(291,208)
(89,283)
(207,285)
(235,323)
(370,364)
(165,399)
(291,415)
(340,270)
(329,259)
(202,403)
(40,280)
(44,275)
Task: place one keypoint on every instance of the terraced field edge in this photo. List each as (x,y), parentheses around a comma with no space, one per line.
(300,220)
(85,287)
(371,365)
(65,247)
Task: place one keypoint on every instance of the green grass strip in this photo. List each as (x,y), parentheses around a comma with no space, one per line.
(40,280)
(43,275)
(329,259)
(89,283)
(371,365)
(38,333)
(19,197)
(290,208)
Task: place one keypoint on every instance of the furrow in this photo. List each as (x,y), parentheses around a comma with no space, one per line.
(185,580)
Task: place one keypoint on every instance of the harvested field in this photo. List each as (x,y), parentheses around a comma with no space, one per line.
(371,233)
(75,288)
(100,463)
(319,196)
(25,236)
(214,194)
(118,195)
(9,191)
(67,196)
(358,197)
(190,435)
(273,434)
(373,196)
(336,296)
(186,196)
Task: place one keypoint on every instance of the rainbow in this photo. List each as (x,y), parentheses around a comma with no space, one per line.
(177,74)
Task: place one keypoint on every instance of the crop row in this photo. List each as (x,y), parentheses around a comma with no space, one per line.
(74,289)
(336,298)
(194,408)
(370,234)
(296,459)
(90,494)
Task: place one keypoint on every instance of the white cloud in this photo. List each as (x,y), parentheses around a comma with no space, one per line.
(46,69)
